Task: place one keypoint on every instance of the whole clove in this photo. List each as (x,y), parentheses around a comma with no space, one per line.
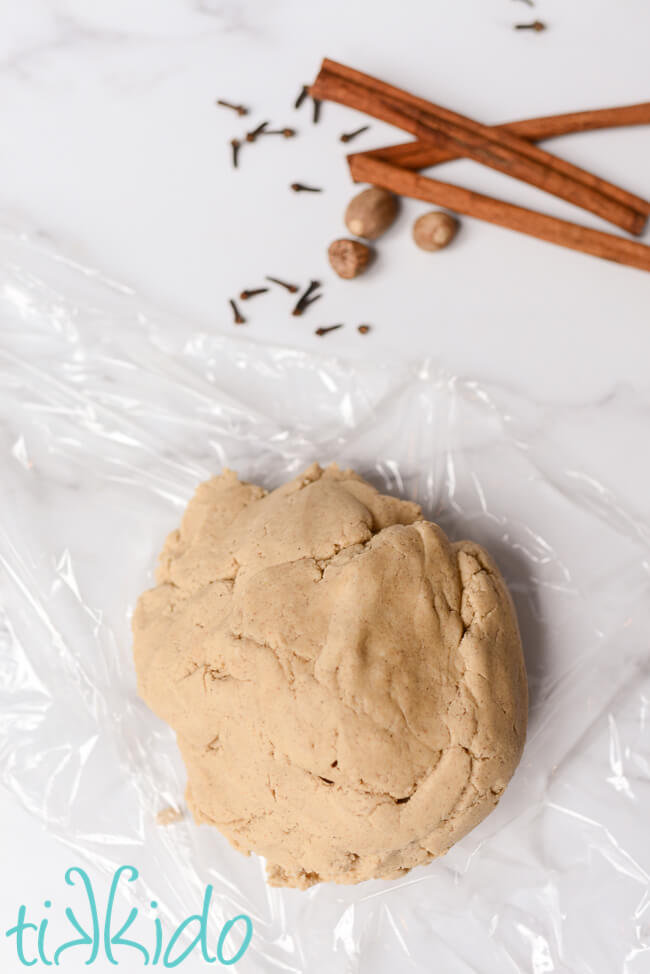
(363,329)
(238,316)
(306,304)
(302,94)
(536,25)
(250,293)
(240,109)
(304,301)
(235,143)
(251,136)
(324,329)
(288,133)
(348,136)
(291,288)
(301,188)
(316,110)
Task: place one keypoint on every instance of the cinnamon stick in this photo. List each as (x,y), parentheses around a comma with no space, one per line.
(497,148)
(407,183)
(421,155)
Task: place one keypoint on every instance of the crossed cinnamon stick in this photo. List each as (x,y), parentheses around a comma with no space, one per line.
(442,135)
(421,155)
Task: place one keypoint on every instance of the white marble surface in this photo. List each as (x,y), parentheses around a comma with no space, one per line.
(111,145)
(112,151)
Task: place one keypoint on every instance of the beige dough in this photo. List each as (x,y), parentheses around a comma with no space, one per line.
(347,687)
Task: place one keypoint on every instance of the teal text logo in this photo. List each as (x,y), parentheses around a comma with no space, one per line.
(106,935)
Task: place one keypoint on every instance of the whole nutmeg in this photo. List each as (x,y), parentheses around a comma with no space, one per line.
(371,213)
(349,258)
(433,231)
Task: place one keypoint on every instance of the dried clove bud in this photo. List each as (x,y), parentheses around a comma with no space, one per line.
(300,309)
(304,301)
(536,25)
(349,258)
(235,143)
(363,329)
(291,288)
(251,136)
(288,133)
(434,230)
(245,295)
(370,213)
(324,329)
(316,111)
(348,136)
(301,188)
(302,94)
(238,316)
(236,108)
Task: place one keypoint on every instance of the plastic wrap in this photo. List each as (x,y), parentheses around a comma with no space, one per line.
(110,415)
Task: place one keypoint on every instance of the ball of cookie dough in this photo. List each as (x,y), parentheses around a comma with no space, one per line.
(347,687)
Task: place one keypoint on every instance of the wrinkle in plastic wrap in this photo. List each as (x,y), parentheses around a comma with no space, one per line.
(110,415)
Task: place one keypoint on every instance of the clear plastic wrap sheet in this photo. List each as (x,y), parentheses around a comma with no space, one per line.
(111,414)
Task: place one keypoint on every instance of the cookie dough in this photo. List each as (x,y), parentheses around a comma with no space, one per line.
(347,686)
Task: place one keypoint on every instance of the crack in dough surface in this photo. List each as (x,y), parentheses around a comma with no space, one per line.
(347,686)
